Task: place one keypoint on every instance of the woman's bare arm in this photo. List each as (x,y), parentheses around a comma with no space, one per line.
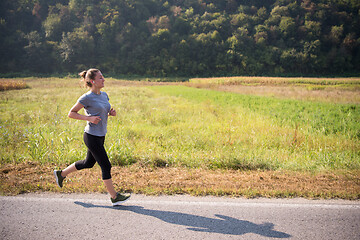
(73,113)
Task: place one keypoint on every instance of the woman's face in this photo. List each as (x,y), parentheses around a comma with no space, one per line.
(99,80)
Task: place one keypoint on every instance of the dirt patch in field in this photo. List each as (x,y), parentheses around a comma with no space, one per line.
(291,92)
(33,177)
(134,83)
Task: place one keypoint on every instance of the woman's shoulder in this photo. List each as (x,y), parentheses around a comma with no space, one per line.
(85,95)
(88,93)
(105,94)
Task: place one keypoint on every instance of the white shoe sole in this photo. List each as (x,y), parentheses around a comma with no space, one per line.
(56,177)
(120,202)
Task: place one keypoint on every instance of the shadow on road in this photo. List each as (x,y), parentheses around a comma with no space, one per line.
(222,224)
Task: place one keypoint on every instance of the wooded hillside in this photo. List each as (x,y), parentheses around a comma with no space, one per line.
(181,37)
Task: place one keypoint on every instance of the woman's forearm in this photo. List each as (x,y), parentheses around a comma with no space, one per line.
(92,119)
(78,116)
(75,115)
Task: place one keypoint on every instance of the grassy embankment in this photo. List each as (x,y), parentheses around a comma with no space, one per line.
(176,139)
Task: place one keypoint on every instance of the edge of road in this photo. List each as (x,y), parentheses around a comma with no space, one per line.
(98,198)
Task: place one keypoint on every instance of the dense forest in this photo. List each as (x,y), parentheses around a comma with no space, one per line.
(181,37)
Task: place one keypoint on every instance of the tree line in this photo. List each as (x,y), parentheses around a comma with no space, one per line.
(181,37)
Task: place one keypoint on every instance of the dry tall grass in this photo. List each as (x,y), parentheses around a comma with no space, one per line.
(7,84)
(32,177)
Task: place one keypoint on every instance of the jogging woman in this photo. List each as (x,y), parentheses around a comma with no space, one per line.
(97,109)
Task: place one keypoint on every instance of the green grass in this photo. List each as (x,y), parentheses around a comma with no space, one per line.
(316,117)
(181,126)
(271,133)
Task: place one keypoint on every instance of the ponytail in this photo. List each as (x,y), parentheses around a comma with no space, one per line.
(88,75)
(83,74)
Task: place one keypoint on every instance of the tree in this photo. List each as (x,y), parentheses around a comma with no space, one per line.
(287,26)
(336,33)
(40,55)
(77,49)
(313,29)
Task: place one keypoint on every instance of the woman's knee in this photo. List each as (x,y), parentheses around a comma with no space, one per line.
(84,164)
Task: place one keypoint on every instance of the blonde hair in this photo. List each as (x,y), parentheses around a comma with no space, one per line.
(88,75)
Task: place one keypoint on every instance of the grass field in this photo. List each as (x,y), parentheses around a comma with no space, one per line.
(177,126)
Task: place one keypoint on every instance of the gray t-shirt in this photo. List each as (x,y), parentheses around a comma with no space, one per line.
(96,105)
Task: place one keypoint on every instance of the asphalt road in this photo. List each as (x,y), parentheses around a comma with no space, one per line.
(91,216)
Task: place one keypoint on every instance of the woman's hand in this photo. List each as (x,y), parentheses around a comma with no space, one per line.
(112,112)
(94,119)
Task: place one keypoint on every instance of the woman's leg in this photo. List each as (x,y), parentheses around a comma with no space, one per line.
(110,187)
(68,170)
(88,162)
(96,147)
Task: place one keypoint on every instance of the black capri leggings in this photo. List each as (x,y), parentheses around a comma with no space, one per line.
(96,153)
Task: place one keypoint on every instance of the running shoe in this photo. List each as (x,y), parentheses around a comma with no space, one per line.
(120,198)
(59,178)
